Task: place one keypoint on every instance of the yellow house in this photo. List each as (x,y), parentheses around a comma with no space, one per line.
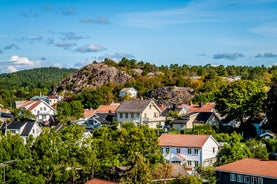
(140,112)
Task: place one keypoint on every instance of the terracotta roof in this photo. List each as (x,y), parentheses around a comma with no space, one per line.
(100,181)
(31,104)
(89,112)
(252,167)
(107,108)
(205,108)
(183,140)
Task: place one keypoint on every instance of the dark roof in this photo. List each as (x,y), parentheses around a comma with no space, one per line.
(135,106)
(15,125)
(203,116)
(104,118)
(7,115)
(179,121)
(27,129)
(254,120)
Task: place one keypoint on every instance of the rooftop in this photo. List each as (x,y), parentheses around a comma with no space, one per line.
(264,168)
(183,140)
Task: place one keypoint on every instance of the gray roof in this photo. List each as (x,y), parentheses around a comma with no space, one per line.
(27,129)
(136,106)
(17,125)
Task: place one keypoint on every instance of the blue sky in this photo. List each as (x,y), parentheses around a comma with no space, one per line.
(73,33)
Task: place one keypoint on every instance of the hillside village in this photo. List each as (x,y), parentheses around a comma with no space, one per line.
(170,134)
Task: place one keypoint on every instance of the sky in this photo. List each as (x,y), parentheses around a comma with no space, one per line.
(73,33)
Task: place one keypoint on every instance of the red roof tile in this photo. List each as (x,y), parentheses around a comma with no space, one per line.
(107,108)
(89,112)
(252,167)
(100,181)
(183,140)
(205,108)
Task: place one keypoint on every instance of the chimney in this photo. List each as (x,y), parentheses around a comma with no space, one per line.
(200,104)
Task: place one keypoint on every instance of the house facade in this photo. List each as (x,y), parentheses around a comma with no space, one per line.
(189,150)
(248,170)
(24,129)
(132,92)
(43,111)
(195,118)
(140,112)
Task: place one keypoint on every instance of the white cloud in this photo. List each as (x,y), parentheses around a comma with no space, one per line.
(90,48)
(11,69)
(22,61)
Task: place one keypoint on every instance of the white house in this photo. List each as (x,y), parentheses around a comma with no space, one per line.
(42,110)
(24,129)
(140,112)
(191,150)
(132,92)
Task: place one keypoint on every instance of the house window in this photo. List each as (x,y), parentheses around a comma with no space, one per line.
(126,115)
(196,151)
(167,150)
(162,150)
(121,115)
(45,108)
(132,115)
(150,106)
(13,131)
(155,114)
(239,178)
(145,115)
(189,163)
(232,177)
(137,115)
(260,180)
(40,108)
(177,150)
(189,151)
(213,149)
(34,131)
(246,179)
(253,180)
(196,163)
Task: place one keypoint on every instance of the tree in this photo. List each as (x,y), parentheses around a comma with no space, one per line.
(240,99)
(258,149)
(271,106)
(233,150)
(138,171)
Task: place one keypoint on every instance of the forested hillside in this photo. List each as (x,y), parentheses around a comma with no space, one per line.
(30,82)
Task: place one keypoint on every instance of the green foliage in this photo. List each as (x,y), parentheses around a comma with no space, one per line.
(22,115)
(240,99)
(233,150)
(258,149)
(271,106)
(207,173)
(92,98)
(69,110)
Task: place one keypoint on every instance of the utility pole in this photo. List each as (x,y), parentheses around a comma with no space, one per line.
(3,164)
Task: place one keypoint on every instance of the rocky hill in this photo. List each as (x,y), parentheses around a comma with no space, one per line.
(100,74)
(171,95)
(92,75)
